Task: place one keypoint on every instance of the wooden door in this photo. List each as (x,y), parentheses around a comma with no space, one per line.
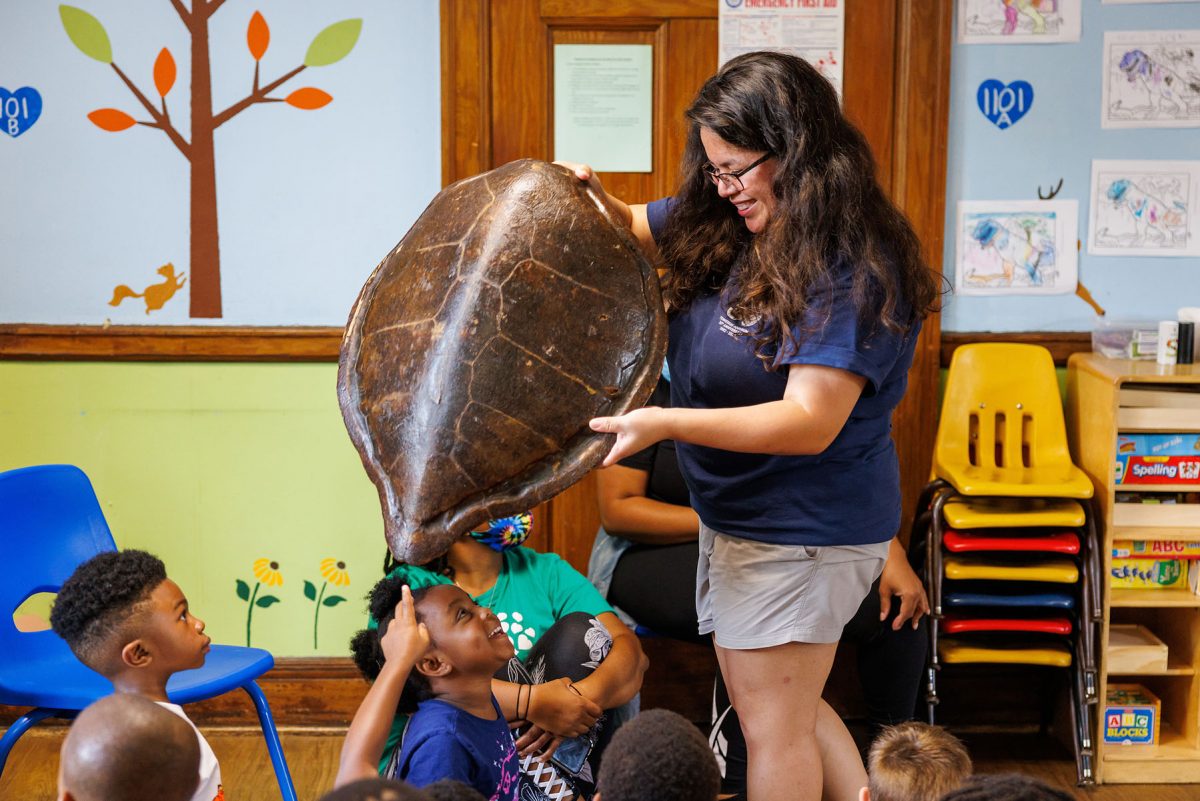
(497,103)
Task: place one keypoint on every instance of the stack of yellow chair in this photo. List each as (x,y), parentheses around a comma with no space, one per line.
(1010,558)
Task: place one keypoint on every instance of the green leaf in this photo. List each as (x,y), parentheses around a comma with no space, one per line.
(333,44)
(266,601)
(243,590)
(310,590)
(88,34)
(332,600)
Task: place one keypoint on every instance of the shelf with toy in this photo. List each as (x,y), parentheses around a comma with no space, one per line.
(1134,429)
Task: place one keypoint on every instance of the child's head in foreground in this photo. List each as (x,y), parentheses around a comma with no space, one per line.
(451,790)
(1007,787)
(658,756)
(126,620)
(377,789)
(125,747)
(465,639)
(915,762)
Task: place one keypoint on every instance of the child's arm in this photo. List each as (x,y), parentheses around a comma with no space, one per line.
(404,643)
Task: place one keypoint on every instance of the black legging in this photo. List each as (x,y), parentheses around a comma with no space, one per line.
(572,648)
(890,664)
(656,586)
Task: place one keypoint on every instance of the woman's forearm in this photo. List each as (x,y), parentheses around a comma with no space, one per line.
(619,677)
(782,427)
(649,522)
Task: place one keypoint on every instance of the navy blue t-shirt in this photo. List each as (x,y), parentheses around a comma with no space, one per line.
(847,495)
(444,742)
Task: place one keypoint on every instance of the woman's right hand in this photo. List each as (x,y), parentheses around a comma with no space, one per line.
(558,709)
(586,174)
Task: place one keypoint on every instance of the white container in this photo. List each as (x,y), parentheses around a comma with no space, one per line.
(1168,341)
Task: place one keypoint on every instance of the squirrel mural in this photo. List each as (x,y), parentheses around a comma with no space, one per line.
(155,295)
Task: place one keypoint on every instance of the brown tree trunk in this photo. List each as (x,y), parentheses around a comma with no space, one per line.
(205,268)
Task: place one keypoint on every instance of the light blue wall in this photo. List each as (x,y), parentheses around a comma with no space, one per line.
(1058,138)
(309,202)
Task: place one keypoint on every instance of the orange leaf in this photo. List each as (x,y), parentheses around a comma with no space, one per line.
(258,36)
(164,72)
(308,98)
(110,119)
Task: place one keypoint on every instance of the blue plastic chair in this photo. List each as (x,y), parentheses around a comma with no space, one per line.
(50,522)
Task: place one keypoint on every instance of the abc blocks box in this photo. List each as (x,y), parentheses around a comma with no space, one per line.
(1131,715)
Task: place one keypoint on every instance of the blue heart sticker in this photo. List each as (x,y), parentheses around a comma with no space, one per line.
(1004,105)
(19,110)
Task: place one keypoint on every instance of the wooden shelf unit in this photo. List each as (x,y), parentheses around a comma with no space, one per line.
(1093,414)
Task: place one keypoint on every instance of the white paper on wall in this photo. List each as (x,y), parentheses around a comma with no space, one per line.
(1151,79)
(1144,208)
(1007,247)
(1018,22)
(816,32)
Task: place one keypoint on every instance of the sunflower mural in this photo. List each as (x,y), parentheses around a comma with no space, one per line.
(333,571)
(266,571)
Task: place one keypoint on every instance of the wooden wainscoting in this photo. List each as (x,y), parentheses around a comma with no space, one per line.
(1061,344)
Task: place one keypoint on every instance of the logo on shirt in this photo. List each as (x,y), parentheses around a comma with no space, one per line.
(729,324)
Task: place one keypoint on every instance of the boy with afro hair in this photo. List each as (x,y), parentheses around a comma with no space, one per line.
(658,756)
(126,620)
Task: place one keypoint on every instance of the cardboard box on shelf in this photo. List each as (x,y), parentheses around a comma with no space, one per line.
(1148,574)
(1131,715)
(1134,649)
(1155,549)
(1157,459)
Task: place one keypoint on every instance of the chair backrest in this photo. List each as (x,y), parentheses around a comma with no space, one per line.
(50,522)
(1002,409)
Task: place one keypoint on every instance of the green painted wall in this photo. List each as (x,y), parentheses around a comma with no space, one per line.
(211,467)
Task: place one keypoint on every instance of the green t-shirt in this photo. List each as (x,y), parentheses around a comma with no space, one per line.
(533,591)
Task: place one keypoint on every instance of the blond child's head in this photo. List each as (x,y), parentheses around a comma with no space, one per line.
(915,762)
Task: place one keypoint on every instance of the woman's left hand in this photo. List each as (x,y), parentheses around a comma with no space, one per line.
(898,579)
(636,430)
(536,741)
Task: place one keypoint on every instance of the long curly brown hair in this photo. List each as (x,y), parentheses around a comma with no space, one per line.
(830,215)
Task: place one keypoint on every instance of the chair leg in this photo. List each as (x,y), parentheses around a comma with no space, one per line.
(282,775)
(20,726)
(933,549)
(927,493)
(1095,560)
(931,696)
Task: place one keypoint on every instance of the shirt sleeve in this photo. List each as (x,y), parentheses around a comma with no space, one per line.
(656,216)
(833,336)
(569,590)
(440,758)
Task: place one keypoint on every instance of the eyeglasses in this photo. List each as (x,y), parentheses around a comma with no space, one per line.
(732,180)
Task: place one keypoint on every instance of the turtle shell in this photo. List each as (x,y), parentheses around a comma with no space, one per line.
(516,308)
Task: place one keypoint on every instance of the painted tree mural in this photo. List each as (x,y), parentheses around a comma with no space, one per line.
(329,46)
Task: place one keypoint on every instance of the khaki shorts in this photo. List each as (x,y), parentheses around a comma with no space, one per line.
(757,595)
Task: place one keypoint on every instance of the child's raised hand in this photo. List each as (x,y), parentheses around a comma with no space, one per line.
(561,710)
(405,639)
